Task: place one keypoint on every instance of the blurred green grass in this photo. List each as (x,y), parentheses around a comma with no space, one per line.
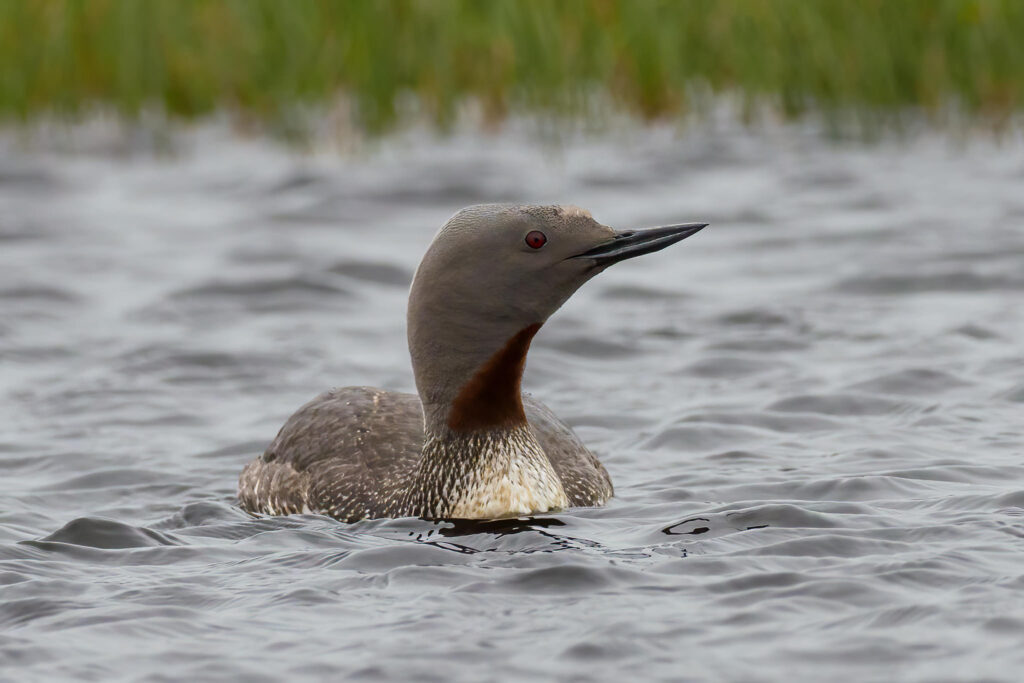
(262,59)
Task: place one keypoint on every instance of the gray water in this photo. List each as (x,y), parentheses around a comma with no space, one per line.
(812,412)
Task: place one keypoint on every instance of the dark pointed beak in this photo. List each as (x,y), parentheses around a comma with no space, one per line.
(638,242)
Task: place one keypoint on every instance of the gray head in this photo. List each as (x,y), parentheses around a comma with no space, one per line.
(493,274)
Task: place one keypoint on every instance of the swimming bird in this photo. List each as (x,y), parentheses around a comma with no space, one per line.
(469,444)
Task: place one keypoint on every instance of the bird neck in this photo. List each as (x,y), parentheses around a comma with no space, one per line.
(492,398)
(470,379)
(480,458)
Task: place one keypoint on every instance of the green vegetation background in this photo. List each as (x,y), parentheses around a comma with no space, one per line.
(263,58)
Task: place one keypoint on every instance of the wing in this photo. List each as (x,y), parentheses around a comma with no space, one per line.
(584,478)
(346,451)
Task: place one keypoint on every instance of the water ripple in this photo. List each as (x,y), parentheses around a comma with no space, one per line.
(811,413)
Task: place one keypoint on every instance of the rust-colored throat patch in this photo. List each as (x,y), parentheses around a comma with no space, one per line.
(492,398)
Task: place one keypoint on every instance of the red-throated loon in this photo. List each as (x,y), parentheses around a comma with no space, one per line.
(470,445)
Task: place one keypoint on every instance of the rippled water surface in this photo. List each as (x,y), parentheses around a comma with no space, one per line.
(812,412)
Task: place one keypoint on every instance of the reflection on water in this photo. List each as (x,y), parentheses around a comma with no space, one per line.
(812,414)
(497,527)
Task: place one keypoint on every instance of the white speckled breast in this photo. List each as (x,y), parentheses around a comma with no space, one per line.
(485,475)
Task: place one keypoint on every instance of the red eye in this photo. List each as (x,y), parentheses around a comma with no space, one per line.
(535,239)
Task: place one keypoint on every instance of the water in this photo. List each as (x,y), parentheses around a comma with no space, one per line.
(812,412)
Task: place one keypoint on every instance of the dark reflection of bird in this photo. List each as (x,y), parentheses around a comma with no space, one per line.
(470,445)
